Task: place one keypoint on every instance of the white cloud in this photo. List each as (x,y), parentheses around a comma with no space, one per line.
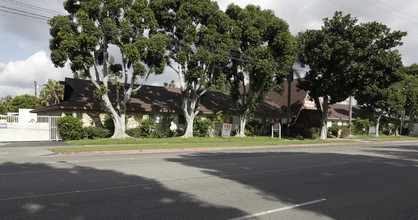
(17,78)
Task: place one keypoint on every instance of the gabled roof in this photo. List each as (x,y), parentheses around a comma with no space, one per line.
(79,94)
(297,99)
(341,112)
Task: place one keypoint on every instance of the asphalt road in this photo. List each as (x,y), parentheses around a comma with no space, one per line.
(321,182)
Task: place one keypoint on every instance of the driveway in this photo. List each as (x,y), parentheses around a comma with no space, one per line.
(10,150)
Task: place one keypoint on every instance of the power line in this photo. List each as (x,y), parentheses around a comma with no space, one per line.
(367,16)
(396,9)
(32,7)
(26,12)
(25,15)
(388,11)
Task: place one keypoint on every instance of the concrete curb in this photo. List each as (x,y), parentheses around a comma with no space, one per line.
(89,153)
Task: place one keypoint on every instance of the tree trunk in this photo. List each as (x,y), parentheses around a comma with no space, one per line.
(118,120)
(324,119)
(189,126)
(378,125)
(189,111)
(411,125)
(242,121)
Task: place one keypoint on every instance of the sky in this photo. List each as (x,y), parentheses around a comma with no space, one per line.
(24,40)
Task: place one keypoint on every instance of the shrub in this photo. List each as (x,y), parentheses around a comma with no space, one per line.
(312,132)
(178,133)
(253,127)
(146,129)
(134,132)
(202,127)
(361,126)
(95,132)
(165,130)
(345,132)
(70,128)
(333,130)
(218,124)
(108,124)
(305,130)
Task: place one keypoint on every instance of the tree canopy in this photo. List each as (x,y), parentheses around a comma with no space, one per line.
(4,103)
(345,58)
(200,43)
(52,93)
(22,101)
(265,49)
(86,37)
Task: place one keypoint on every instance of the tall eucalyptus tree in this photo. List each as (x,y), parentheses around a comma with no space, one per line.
(85,38)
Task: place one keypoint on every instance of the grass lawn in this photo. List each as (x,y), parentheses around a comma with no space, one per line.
(197,142)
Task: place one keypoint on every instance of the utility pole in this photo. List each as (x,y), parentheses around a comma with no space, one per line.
(35,93)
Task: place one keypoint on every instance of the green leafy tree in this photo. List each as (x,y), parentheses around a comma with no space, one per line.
(4,103)
(411,103)
(221,84)
(410,89)
(6,100)
(172,84)
(92,28)
(200,42)
(380,102)
(52,93)
(3,110)
(412,69)
(347,58)
(361,126)
(23,101)
(258,64)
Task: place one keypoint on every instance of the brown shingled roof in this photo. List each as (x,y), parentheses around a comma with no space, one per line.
(79,94)
(341,111)
(297,99)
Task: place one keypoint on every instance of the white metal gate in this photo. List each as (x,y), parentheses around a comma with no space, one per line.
(41,128)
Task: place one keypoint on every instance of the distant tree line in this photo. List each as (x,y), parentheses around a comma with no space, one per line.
(51,93)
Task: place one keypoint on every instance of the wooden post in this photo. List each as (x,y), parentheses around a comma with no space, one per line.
(35,94)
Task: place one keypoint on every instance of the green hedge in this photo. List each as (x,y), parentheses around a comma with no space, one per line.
(253,128)
(306,131)
(147,129)
(96,132)
(70,128)
(333,130)
(202,127)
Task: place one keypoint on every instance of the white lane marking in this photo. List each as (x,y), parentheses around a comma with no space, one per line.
(279,210)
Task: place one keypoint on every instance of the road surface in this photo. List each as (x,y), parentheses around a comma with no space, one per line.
(374,181)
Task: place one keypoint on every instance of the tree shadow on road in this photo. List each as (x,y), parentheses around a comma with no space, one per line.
(407,152)
(40,191)
(354,186)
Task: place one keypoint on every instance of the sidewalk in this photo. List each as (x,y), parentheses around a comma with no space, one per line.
(28,149)
(38,149)
(88,153)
